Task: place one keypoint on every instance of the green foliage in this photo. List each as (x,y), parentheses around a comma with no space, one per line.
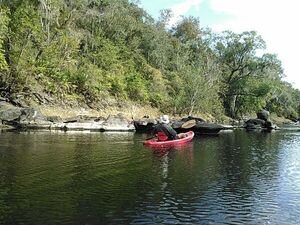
(243,72)
(136,88)
(4,20)
(95,48)
(187,29)
(117,87)
(284,100)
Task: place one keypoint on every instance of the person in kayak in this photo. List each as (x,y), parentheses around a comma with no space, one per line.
(164,131)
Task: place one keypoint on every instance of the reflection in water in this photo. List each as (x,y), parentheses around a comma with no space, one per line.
(111,178)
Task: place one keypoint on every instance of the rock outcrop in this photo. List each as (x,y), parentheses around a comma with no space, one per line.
(117,123)
(30,118)
(261,122)
(263,115)
(9,112)
(144,125)
(200,128)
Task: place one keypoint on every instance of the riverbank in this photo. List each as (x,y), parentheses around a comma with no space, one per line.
(110,115)
(114,116)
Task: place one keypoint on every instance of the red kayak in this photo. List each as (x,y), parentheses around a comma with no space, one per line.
(154,142)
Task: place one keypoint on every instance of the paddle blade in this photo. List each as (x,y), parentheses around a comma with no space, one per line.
(188,124)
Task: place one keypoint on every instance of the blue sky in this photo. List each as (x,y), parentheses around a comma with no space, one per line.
(197,8)
(275,20)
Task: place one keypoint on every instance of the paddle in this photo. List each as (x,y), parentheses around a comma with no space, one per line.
(188,124)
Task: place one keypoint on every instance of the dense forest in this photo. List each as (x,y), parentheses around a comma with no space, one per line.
(91,49)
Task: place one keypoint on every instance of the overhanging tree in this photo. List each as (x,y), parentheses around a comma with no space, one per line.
(239,63)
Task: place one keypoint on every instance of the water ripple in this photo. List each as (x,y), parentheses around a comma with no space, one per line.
(92,178)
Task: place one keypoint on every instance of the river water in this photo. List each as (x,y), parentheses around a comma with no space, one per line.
(81,178)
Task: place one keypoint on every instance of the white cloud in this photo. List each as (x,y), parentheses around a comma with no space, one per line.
(275,20)
(182,8)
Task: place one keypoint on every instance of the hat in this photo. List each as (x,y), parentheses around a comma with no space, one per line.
(164,119)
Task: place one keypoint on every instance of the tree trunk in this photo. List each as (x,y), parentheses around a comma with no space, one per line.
(191,110)
(232,105)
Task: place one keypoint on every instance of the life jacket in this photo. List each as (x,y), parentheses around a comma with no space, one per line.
(161,136)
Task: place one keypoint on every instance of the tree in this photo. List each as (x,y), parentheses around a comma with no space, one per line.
(239,63)
(4,20)
(91,49)
(187,29)
(195,67)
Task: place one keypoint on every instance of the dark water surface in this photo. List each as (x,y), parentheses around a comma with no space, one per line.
(111,178)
